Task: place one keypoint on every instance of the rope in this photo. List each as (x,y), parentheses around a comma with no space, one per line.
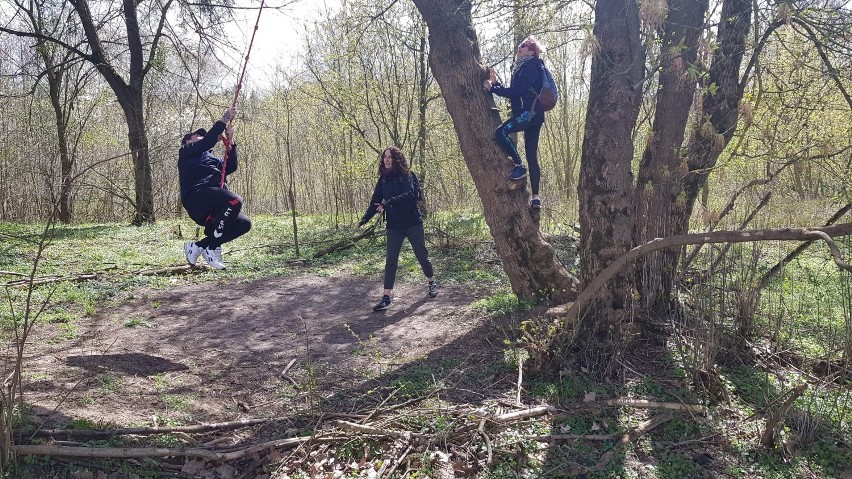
(225,140)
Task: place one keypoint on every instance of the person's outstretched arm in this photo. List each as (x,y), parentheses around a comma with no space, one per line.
(375,201)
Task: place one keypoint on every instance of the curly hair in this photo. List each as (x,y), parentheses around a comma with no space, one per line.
(400,164)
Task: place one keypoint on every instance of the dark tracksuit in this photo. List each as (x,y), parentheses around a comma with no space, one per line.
(215,208)
(521,98)
(398,196)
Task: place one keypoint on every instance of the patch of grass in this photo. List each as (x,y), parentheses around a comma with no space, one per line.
(503,302)
(416,380)
(178,402)
(571,387)
(135,321)
(109,383)
(677,466)
(678,429)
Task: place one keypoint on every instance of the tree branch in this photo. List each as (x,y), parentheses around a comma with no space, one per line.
(825,233)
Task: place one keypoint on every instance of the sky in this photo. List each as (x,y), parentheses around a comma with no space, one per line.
(280,34)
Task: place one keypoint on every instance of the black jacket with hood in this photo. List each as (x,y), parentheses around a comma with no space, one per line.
(198,168)
(398,195)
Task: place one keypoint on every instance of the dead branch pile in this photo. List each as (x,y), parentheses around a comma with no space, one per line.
(452,440)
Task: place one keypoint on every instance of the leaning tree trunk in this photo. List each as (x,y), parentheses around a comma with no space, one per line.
(663,164)
(605,190)
(721,105)
(528,260)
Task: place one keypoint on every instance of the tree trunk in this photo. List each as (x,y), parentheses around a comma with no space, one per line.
(66,163)
(529,261)
(605,191)
(138,141)
(129,96)
(720,107)
(663,164)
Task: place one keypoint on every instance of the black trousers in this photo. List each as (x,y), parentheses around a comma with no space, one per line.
(417,237)
(218,211)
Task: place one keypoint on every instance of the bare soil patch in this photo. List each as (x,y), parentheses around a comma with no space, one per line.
(215,352)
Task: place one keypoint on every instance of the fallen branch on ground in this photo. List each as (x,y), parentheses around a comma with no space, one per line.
(130,452)
(692,408)
(631,436)
(144,431)
(347,243)
(525,413)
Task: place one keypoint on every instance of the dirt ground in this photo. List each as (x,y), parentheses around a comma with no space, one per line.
(215,352)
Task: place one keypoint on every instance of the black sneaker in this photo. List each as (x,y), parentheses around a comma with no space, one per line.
(383,304)
(433,289)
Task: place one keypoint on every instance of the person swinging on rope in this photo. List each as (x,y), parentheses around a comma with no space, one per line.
(205,194)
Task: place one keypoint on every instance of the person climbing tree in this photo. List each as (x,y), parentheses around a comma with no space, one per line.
(205,195)
(527,78)
(396,195)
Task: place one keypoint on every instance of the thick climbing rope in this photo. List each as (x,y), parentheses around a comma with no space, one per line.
(225,140)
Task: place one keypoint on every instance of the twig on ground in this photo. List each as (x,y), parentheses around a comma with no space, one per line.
(481,431)
(396,464)
(691,408)
(631,436)
(526,413)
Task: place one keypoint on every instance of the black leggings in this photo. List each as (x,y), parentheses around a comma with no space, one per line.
(531,126)
(417,237)
(218,211)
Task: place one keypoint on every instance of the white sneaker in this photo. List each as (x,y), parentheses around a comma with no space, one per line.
(213,257)
(192,251)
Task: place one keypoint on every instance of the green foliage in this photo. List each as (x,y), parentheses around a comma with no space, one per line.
(677,466)
(503,302)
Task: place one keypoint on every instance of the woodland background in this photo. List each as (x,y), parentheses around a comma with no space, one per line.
(92,133)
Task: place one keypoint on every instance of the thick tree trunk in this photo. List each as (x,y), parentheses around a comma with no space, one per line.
(709,138)
(664,164)
(529,261)
(606,181)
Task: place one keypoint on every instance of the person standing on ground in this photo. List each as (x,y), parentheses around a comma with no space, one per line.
(396,195)
(527,78)
(206,199)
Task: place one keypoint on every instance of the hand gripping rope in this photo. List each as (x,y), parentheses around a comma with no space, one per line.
(225,140)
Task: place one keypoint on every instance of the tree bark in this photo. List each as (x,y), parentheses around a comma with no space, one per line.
(606,180)
(528,260)
(663,164)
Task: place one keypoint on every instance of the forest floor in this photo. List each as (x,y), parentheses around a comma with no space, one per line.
(292,349)
(226,345)
(428,388)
